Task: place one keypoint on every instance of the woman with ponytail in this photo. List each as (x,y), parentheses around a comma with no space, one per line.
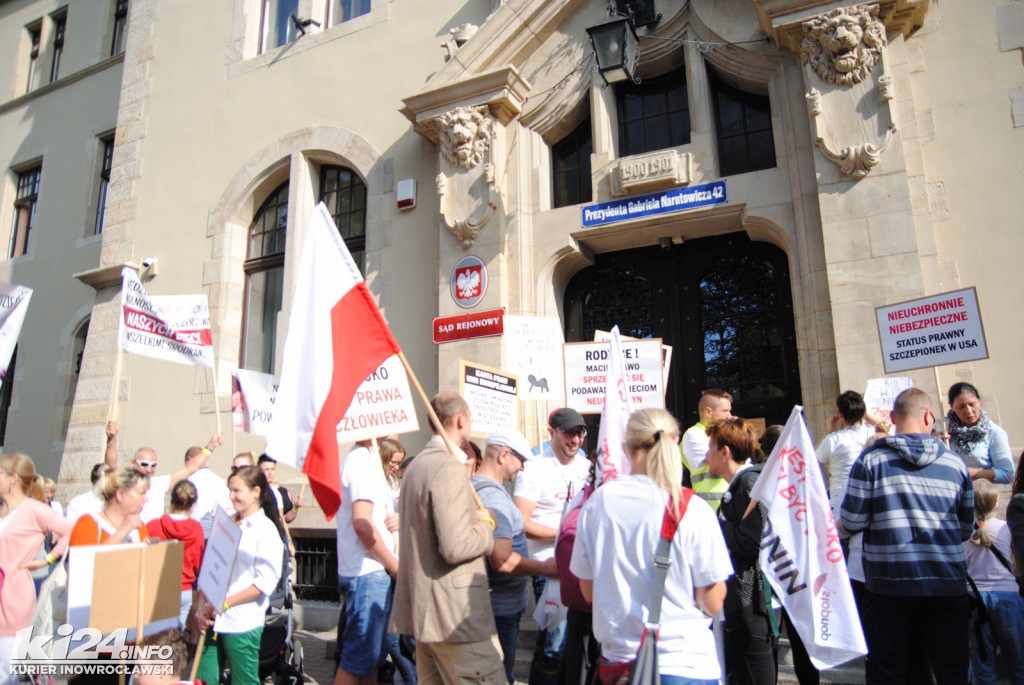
(24,524)
(751,634)
(989,566)
(617,534)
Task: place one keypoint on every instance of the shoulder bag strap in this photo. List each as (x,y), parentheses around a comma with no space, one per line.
(1002,560)
(662,554)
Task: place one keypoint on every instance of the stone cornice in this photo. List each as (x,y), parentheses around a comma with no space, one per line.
(783,20)
(502,90)
(105,276)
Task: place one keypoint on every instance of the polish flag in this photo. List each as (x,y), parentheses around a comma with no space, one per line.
(612,461)
(336,338)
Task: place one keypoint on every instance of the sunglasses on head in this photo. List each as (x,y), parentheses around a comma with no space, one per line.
(146,464)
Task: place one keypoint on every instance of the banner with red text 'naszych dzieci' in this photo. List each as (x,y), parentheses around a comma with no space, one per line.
(175,328)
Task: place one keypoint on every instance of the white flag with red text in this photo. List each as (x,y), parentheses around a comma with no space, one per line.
(14,301)
(175,328)
(337,338)
(800,552)
(611,456)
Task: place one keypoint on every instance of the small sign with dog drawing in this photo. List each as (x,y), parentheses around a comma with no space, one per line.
(533,351)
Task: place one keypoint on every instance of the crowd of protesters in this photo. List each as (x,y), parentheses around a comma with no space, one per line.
(435,553)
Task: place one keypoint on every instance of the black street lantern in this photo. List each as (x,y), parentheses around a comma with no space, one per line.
(616,48)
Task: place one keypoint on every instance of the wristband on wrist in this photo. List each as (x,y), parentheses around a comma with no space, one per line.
(226,607)
(207,450)
(50,559)
(494,525)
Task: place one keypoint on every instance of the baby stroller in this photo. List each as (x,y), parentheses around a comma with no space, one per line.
(280,654)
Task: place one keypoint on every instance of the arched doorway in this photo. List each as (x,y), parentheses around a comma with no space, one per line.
(724,304)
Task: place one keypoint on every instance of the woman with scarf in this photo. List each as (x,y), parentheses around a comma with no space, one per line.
(982,444)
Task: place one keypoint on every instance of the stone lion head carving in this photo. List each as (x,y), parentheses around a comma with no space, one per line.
(465,134)
(843,45)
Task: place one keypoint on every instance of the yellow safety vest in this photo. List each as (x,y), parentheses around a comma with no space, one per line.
(708,487)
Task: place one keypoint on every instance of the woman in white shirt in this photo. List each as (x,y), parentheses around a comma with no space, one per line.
(238,625)
(617,534)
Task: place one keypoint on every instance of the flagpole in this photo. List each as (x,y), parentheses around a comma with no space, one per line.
(436,421)
(112,408)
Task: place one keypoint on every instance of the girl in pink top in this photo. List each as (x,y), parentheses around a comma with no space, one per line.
(24,523)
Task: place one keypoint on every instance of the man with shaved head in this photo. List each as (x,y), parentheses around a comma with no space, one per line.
(715,405)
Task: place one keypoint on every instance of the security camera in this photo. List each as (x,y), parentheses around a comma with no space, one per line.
(149,262)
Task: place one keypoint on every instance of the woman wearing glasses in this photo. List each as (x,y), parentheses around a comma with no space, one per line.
(982,444)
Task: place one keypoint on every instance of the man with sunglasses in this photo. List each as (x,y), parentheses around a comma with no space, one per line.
(548,481)
(914,501)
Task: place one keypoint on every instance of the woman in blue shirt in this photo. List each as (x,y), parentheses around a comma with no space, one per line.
(982,444)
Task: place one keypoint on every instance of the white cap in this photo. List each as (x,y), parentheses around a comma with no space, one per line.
(512,439)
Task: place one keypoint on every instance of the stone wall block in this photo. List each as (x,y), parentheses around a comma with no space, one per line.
(892,234)
(846,240)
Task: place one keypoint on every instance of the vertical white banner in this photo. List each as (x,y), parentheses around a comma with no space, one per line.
(800,551)
(611,457)
(14,301)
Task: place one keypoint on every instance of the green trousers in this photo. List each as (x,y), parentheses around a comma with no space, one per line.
(241,649)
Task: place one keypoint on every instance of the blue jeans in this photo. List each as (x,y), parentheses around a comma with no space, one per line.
(186,606)
(1005,628)
(365,612)
(404,666)
(508,635)
(680,680)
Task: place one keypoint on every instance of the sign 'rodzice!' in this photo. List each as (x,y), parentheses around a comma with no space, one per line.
(675,200)
(586,370)
(932,331)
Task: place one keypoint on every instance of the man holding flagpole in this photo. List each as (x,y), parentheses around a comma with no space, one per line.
(442,597)
(914,501)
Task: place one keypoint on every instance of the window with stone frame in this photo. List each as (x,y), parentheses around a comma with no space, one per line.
(34,37)
(264,281)
(653,114)
(743,129)
(120,27)
(340,11)
(60,23)
(106,162)
(277,27)
(344,193)
(25,203)
(570,167)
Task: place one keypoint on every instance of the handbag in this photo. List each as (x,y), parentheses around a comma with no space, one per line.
(644,669)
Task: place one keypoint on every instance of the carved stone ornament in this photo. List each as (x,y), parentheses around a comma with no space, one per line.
(843,45)
(842,48)
(466,136)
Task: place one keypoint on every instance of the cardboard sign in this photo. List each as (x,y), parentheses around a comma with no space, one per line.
(492,397)
(880,394)
(219,558)
(586,367)
(933,331)
(113,586)
(533,347)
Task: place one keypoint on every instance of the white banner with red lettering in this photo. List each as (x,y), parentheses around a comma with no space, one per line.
(14,301)
(252,401)
(800,551)
(175,328)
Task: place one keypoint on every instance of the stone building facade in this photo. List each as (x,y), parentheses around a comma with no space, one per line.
(865,154)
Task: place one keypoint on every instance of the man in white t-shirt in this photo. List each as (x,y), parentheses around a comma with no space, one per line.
(87,502)
(211,489)
(366,565)
(541,492)
(840,448)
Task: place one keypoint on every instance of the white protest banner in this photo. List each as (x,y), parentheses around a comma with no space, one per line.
(611,435)
(666,352)
(175,328)
(491,396)
(533,353)
(14,301)
(219,558)
(586,370)
(252,401)
(381,406)
(932,331)
(880,394)
(800,551)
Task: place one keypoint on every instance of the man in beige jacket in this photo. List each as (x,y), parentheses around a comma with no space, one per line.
(442,596)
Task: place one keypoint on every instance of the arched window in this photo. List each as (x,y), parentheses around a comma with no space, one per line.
(344,193)
(264,283)
(77,352)
(743,124)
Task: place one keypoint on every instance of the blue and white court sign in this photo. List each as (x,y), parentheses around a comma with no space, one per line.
(667,202)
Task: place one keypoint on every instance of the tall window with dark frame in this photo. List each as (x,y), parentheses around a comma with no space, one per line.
(344,193)
(743,127)
(264,283)
(24,211)
(101,200)
(34,37)
(276,25)
(654,114)
(120,27)
(570,167)
(343,10)
(6,395)
(59,25)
